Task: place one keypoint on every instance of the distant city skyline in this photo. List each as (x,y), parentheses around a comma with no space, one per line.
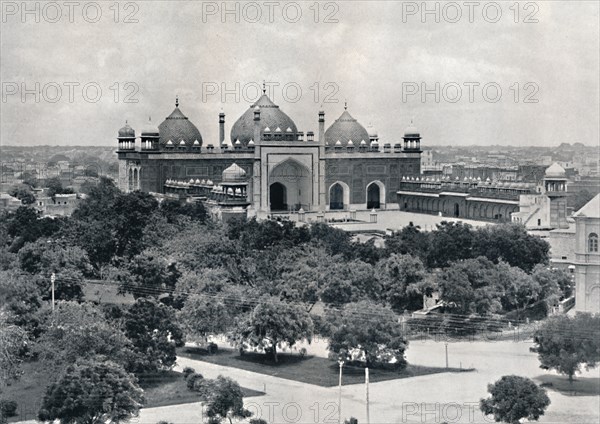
(370,59)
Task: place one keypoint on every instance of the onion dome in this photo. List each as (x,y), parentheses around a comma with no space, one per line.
(555,171)
(178,127)
(346,128)
(270,117)
(126,131)
(150,130)
(234,174)
(251,143)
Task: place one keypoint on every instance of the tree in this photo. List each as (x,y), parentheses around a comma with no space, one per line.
(450,242)
(520,290)
(23,193)
(565,344)
(173,209)
(224,399)
(21,300)
(70,264)
(400,277)
(151,275)
(92,392)
(369,334)
(512,244)
(202,315)
(348,281)
(55,187)
(80,331)
(513,398)
(410,240)
(153,329)
(471,287)
(12,339)
(556,283)
(273,322)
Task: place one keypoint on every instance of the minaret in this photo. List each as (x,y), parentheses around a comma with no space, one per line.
(257,186)
(322,191)
(221,127)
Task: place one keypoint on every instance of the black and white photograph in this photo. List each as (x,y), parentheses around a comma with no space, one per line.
(299,212)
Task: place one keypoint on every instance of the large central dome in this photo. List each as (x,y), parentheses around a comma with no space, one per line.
(271,117)
(344,129)
(177,128)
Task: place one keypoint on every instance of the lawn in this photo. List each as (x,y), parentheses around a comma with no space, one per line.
(166,388)
(307,369)
(169,388)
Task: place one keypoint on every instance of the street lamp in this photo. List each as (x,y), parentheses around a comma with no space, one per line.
(341,364)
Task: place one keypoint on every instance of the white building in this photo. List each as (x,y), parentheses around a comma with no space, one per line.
(587,257)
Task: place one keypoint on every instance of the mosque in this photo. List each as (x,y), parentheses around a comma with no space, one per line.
(269,166)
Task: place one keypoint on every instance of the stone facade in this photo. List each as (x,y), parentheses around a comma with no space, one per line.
(286,171)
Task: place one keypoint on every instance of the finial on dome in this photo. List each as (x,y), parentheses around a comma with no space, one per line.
(346,104)
(264,87)
(176,101)
(126,122)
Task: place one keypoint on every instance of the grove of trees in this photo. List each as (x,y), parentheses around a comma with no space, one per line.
(259,282)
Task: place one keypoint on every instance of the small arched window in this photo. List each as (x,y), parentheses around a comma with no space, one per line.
(593,243)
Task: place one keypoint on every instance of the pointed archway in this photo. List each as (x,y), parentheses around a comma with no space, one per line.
(278,197)
(336,197)
(373,197)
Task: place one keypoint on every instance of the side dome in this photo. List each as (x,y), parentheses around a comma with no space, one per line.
(234,174)
(271,117)
(150,129)
(555,171)
(344,129)
(177,128)
(126,131)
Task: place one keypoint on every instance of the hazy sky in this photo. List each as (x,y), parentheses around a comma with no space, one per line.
(375,56)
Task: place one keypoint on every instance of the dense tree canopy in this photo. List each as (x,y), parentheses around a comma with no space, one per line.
(370,334)
(565,344)
(92,392)
(155,333)
(514,398)
(273,322)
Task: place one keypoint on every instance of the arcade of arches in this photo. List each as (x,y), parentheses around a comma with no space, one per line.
(339,196)
(459,208)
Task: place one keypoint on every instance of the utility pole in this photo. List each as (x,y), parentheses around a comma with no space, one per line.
(341,363)
(367,390)
(446,355)
(53,279)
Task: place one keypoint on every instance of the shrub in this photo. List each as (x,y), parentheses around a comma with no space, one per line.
(257,421)
(212,348)
(187,371)
(194,381)
(351,420)
(8,408)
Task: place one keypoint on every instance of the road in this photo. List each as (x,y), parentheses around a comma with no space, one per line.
(434,398)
